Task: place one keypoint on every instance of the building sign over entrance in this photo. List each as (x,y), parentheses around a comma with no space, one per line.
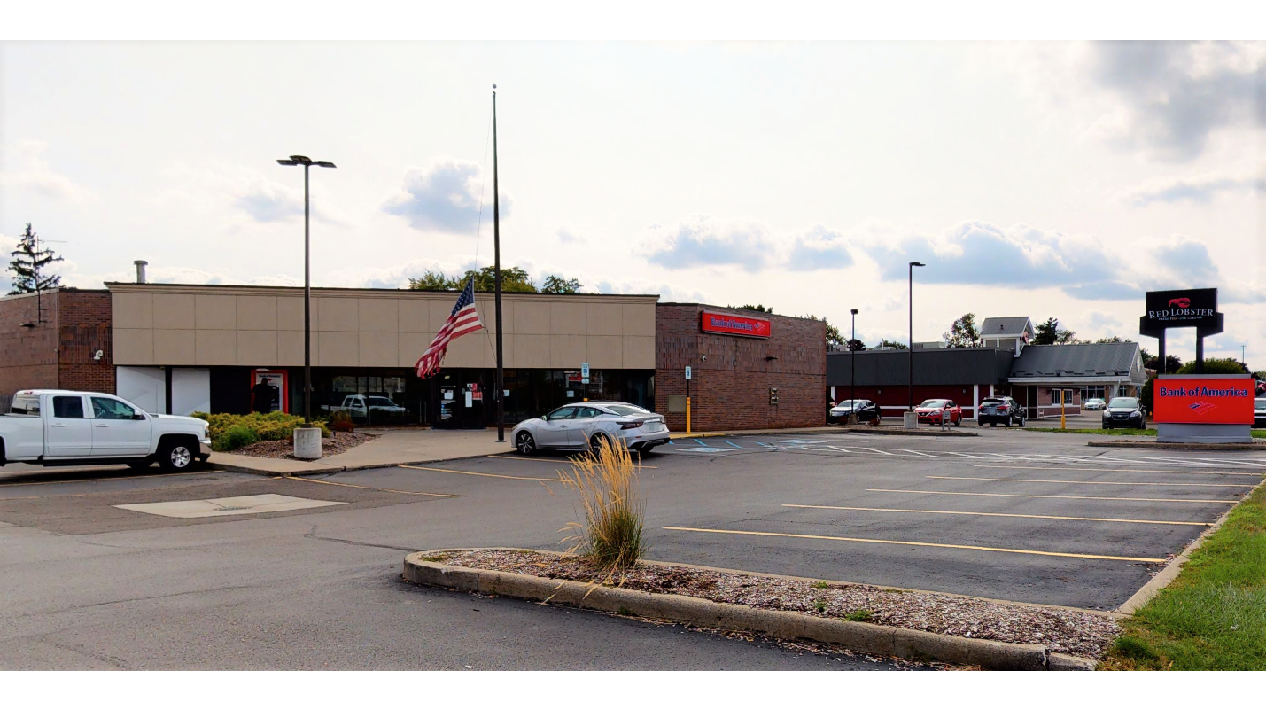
(736,325)
(1182,307)
(1196,400)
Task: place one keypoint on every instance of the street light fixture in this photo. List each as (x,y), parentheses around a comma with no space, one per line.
(912,266)
(307,283)
(852,356)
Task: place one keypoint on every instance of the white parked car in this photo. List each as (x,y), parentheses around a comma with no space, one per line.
(52,427)
(580,426)
(362,406)
(1093,404)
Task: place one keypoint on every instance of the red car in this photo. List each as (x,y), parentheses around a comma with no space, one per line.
(931,411)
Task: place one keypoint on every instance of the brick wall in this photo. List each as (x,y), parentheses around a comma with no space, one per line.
(28,355)
(732,375)
(84,328)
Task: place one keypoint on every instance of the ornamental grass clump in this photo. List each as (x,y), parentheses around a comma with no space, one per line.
(611,535)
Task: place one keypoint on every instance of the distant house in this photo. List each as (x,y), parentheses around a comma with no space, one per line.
(1007,332)
(1080,370)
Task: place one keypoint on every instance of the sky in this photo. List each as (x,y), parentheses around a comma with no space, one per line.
(1040,179)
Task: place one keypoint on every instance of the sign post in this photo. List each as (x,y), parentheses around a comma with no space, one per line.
(1178,308)
(584,381)
(687,400)
(1062,424)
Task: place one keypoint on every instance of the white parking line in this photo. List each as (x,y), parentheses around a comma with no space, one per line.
(1092,482)
(1059,496)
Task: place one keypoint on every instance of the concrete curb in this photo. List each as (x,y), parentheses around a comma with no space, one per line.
(330,470)
(856,636)
(1167,575)
(1152,445)
(927,431)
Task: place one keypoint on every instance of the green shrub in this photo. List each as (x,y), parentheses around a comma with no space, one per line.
(262,426)
(238,436)
(341,422)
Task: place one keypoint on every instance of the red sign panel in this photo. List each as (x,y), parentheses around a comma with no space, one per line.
(1214,401)
(736,325)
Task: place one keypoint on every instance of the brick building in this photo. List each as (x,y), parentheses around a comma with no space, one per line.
(734,368)
(52,341)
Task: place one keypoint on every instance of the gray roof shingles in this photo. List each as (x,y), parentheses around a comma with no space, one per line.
(1075,360)
(1003,326)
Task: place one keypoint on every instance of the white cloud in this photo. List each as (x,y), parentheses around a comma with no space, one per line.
(702,240)
(445,196)
(1199,189)
(226,189)
(26,169)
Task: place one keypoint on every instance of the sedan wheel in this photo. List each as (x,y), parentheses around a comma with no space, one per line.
(525,444)
(595,442)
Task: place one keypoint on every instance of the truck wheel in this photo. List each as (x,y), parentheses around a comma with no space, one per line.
(176,456)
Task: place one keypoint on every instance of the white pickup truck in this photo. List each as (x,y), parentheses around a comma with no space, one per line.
(361,406)
(50,427)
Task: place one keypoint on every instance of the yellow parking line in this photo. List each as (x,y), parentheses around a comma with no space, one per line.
(104,476)
(1100,469)
(563,460)
(1060,496)
(481,474)
(1089,482)
(922,543)
(380,489)
(1000,514)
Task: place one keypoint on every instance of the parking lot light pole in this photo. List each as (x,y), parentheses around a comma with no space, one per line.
(307,283)
(852,369)
(912,266)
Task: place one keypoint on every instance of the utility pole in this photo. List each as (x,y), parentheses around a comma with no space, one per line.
(912,266)
(496,269)
(852,369)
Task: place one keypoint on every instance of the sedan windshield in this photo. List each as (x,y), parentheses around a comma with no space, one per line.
(1130,403)
(625,409)
(847,404)
(932,404)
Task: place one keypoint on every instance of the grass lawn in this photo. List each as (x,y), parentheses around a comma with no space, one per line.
(1213,616)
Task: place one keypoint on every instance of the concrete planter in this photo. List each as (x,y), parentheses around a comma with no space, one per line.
(307,443)
(911,419)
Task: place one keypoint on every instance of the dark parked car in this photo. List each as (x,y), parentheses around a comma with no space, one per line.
(867,411)
(1259,413)
(1000,409)
(1123,413)
(931,411)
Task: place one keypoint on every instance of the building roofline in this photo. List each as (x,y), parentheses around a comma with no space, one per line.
(379,291)
(736,310)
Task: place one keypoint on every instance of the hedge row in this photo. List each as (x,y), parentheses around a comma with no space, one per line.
(230,431)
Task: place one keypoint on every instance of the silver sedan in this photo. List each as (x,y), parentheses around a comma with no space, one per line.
(581,426)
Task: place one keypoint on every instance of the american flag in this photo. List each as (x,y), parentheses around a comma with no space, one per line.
(463,320)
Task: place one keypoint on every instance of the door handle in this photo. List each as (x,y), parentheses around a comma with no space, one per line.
(101,425)
(57,425)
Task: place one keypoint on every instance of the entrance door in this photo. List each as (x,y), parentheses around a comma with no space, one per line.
(69,432)
(118,429)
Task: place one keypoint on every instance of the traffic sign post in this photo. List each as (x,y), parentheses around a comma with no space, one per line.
(687,400)
(584,382)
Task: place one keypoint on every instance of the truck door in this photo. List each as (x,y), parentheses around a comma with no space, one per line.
(69,432)
(118,429)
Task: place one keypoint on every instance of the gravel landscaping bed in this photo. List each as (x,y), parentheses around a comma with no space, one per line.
(1083,634)
(284,449)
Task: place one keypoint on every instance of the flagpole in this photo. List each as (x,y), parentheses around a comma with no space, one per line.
(496,270)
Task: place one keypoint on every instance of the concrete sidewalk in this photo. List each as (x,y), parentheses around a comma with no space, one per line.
(391,447)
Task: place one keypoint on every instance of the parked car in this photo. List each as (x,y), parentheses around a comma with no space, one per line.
(933,410)
(1259,412)
(1093,404)
(54,427)
(1000,409)
(1123,413)
(867,411)
(362,406)
(582,426)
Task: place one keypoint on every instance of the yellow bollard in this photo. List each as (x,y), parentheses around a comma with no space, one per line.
(687,415)
(1061,410)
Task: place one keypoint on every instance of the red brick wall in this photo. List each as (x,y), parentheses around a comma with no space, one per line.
(28,355)
(84,328)
(732,374)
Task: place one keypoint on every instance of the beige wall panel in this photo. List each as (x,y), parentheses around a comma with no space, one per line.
(290,347)
(379,348)
(290,313)
(530,351)
(639,352)
(415,316)
(256,313)
(133,311)
(133,347)
(567,317)
(337,348)
(531,317)
(215,347)
(173,311)
(411,347)
(639,319)
(338,314)
(470,351)
(440,309)
(256,348)
(380,315)
(214,311)
(567,351)
(604,319)
(604,351)
(175,347)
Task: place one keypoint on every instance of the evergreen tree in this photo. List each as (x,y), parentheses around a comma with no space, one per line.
(1049,332)
(963,333)
(29,260)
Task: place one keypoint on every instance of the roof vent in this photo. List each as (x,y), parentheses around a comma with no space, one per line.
(140,271)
